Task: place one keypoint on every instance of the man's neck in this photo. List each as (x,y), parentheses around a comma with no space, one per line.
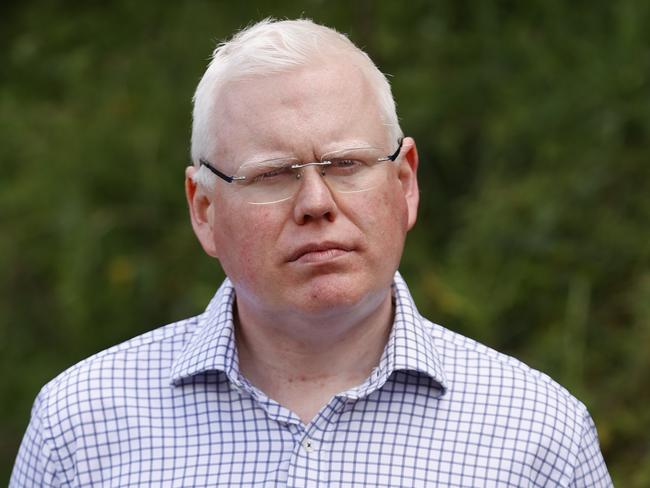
(302,363)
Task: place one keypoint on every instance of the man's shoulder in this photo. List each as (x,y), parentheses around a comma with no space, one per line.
(478,370)
(135,364)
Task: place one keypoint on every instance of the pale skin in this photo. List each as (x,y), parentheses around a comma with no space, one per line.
(312,274)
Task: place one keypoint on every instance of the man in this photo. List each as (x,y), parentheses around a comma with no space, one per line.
(311,365)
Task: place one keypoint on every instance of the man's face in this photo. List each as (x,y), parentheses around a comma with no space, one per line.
(319,252)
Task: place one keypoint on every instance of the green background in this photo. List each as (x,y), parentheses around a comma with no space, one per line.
(532,121)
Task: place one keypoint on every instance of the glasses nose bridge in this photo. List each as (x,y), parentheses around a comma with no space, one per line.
(318,166)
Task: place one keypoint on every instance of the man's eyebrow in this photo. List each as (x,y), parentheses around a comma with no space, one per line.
(274,162)
(345,149)
(348,144)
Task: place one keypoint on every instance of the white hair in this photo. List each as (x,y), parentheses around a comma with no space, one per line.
(270,47)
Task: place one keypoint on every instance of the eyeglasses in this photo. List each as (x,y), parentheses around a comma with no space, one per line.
(345,171)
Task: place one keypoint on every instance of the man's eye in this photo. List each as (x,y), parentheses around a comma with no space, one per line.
(271,174)
(346,165)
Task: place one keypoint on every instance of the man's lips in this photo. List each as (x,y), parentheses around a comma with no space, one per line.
(319,251)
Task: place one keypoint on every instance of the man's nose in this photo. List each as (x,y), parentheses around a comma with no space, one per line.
(314,199)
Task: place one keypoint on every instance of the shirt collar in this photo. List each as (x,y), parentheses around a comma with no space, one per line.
(212,345)
(410,346)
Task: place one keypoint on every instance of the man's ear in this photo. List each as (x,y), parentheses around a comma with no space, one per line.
(408,177)
(201,212)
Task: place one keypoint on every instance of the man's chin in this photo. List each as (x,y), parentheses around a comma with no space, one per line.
(336,293)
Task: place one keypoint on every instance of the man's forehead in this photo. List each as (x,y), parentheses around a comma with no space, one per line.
(319,103)
(298,87)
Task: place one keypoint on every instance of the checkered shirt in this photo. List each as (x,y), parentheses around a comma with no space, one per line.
(170,408)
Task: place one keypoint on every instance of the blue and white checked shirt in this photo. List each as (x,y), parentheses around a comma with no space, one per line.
(170,408)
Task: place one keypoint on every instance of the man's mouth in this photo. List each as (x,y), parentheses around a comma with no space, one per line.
(317,252)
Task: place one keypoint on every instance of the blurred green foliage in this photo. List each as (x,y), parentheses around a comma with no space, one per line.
(532,121)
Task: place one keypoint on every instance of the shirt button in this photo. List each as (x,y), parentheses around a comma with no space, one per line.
(308,445)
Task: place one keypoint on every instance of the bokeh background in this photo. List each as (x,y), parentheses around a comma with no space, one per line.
(533,125)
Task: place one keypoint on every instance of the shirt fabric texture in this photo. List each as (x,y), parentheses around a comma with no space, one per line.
(170,408)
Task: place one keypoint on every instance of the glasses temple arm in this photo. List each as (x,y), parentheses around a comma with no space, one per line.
(393,156)
(221,175)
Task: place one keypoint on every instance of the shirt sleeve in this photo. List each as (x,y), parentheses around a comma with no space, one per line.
(591,470)
(36,463)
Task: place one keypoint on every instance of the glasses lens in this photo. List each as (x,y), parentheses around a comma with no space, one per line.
(354,170)
(268,181)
